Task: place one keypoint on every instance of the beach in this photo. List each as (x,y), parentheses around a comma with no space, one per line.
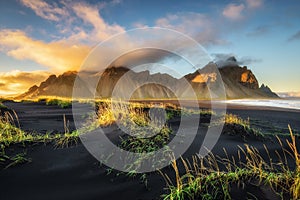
(73,173)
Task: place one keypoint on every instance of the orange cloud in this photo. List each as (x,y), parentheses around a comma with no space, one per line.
(16,82)
(58,56)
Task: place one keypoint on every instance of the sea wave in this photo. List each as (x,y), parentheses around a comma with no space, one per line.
(279,103)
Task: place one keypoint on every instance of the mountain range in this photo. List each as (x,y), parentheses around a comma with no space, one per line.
(239,82)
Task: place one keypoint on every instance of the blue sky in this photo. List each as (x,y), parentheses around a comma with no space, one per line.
(43,37)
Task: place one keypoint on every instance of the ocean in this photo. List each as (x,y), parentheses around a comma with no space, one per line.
(288,103)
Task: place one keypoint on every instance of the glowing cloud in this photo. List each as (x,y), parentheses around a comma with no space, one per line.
(58,56)
(15,82)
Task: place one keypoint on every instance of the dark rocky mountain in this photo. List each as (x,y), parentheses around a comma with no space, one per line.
(54,86)
(267,90)
(239,82)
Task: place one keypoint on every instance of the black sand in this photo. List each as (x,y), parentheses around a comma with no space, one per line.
(72,173)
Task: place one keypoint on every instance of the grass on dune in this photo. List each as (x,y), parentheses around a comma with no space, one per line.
(234,125)
(11,133)
(111,111)
(50,100)
(234,119)
(203,178)
(144,134)
(63,102)
(2,105)
(59,102)
(135,118)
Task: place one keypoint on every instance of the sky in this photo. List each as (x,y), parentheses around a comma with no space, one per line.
(39,38)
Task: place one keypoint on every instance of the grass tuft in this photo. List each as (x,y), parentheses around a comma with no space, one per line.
(63,103)
(9,132)
(15,160)
(204,179)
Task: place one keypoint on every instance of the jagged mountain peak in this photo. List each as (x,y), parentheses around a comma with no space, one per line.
(232,59)
(239,82)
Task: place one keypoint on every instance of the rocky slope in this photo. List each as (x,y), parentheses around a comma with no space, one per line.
(239,82)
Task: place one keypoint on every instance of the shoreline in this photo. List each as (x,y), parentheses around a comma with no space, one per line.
(217,103)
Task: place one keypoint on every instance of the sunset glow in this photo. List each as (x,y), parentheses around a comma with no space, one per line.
(38,38)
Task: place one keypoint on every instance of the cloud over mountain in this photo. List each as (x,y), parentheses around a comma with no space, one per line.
(14,82)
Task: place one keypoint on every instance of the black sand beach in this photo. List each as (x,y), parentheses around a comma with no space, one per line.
(72,173)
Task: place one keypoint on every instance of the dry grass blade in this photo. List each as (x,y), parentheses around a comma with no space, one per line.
(295,188)
(203,179)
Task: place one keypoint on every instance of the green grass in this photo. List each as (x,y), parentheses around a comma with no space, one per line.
(14,160)
(50,100)
(234,125)
(146,135)
(234,119)
(2,105)
(63,103)
(203,178)
(9,132)
(67,139)
(134,117)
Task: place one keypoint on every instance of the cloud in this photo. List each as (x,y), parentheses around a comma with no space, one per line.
(199,26)
(15,82)
(221,56)
(75,19)
(222,59)
(258,31)
(90,15)
(294,37)
(68,53)
(58,56)
(142,56)
(295,94)
(233,11)
(116,2)
(139,25)
(79,33)
(237,12)
(248,60)
(45,10)
(254,3)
